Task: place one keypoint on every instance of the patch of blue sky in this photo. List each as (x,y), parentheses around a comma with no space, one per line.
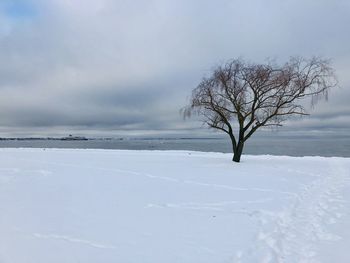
(19,9)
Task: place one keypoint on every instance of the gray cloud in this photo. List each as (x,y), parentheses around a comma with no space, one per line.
(93,66)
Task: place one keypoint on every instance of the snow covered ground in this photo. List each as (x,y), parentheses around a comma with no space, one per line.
(109,206)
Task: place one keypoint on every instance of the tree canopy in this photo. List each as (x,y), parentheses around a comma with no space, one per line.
(258,95)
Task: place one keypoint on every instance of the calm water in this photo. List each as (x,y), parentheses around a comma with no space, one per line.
(275,146)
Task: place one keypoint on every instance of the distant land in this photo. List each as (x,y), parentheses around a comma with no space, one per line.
(67,138)
(82,138)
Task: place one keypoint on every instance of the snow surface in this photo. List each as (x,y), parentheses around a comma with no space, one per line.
(60,205)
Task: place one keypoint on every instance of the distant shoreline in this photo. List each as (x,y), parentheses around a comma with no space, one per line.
(69,138)
(81,138)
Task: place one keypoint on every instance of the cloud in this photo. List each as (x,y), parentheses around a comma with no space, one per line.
(130,65)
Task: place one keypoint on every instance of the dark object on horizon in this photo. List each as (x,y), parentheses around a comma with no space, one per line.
(74,138)
(244,97)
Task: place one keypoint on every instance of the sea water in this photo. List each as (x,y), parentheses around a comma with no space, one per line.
(300,146)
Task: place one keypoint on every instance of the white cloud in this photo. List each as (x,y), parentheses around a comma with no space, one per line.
(72,62)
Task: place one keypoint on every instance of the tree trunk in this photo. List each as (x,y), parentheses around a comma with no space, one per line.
(238,152)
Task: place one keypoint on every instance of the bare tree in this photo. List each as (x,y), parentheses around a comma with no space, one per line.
(246,97)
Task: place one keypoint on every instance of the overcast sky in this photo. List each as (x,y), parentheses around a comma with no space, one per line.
(127,67)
